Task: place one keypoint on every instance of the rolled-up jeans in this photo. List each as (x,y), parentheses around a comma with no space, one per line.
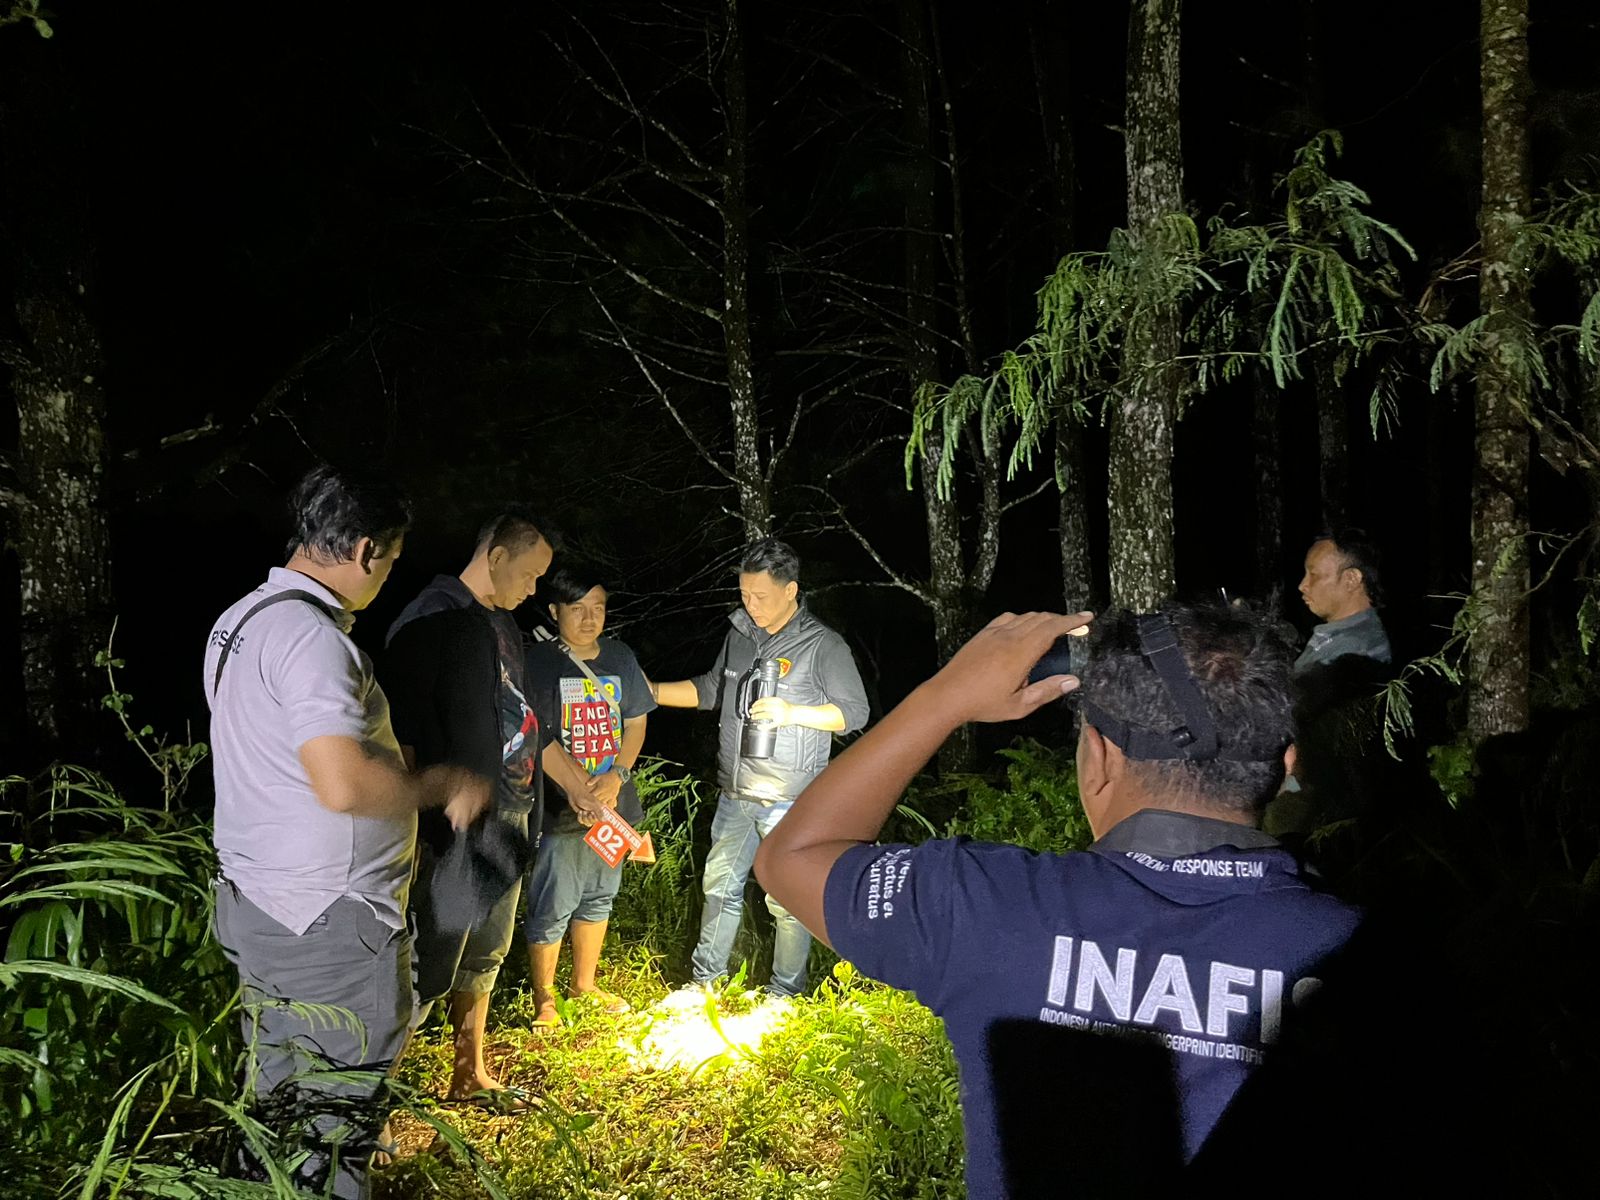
(357,971)
(736,833)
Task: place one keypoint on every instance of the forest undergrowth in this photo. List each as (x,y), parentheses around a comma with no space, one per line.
(120,1050)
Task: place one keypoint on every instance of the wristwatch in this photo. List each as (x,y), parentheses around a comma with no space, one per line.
(622,773)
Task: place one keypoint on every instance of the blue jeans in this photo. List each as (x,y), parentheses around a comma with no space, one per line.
(736,832)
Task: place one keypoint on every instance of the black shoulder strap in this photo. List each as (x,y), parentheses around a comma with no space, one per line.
(275,598)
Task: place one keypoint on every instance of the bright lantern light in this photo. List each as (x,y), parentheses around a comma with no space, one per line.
(680,1032)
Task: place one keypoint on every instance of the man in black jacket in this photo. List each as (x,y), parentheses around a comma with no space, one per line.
(454,671)
(819,693)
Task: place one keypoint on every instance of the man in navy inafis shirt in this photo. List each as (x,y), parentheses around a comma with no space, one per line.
(1105,1007)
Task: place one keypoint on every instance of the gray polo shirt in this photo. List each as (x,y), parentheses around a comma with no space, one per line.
(1361,634)
(293,675)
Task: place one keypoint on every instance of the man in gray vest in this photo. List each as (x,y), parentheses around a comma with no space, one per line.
(818,694)
(316,825)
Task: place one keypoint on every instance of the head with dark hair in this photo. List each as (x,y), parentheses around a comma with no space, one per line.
(333,511)
(1239,662)
(769,583)
(514,549)
(348,530)
(773,557)
(571,582)
(1341,576)
(517,528)
(577,599)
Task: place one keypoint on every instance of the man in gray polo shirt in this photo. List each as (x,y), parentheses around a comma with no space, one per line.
(316,825)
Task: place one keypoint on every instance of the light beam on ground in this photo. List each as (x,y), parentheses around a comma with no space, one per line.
(681,1032)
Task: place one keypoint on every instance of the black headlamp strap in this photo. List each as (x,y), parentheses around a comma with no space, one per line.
(1196,738)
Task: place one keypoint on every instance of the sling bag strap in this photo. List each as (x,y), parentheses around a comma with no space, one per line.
(616,709)
(275,598)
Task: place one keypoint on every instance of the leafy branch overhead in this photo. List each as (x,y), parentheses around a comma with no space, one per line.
(1321,275)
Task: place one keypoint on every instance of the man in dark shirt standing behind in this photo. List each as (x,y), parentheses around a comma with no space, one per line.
(1105,1007)
(455,671)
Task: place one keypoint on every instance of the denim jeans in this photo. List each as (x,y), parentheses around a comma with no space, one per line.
(736,832)
(567,882)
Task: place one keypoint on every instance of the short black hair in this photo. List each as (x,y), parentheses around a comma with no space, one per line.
(1240,661)
(1356,549)
(331,510)
(517,528)
(570,582)
(776,558)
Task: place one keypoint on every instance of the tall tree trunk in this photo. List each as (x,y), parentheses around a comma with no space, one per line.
(1144,409)
(1497,678)
(946,571)
(980,447)
(1049,48)
(57,508)
(755,503)
(1266,428)
(1333,440)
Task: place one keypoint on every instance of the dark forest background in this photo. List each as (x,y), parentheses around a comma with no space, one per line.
(416,242)
(982,307)
(403,239)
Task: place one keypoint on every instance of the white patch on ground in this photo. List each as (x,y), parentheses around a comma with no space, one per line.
(678,1031)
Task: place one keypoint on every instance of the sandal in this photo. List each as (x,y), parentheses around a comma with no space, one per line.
(548,1016)
(609,1003)
(506,1101)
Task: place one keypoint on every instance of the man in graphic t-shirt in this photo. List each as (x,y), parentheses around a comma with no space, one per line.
(590,692)
(1106,1006)
(454,671)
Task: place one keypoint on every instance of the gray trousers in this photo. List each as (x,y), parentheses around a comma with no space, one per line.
(356,970)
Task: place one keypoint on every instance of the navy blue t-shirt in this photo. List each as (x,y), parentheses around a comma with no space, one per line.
(1184,966)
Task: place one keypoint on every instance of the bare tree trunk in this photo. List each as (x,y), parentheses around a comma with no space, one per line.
(985,459)
(1266,428)
(946,570)
(57,507)
(1497,677)
(1144,409)
(755,506)
(1050,85)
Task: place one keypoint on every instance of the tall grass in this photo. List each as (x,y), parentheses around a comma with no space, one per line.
(121,1054)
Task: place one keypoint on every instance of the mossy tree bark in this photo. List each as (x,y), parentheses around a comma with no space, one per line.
(54,494)
(755,501)
(1144,408)
(1497,677)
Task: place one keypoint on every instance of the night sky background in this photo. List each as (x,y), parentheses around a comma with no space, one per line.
(261,180)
